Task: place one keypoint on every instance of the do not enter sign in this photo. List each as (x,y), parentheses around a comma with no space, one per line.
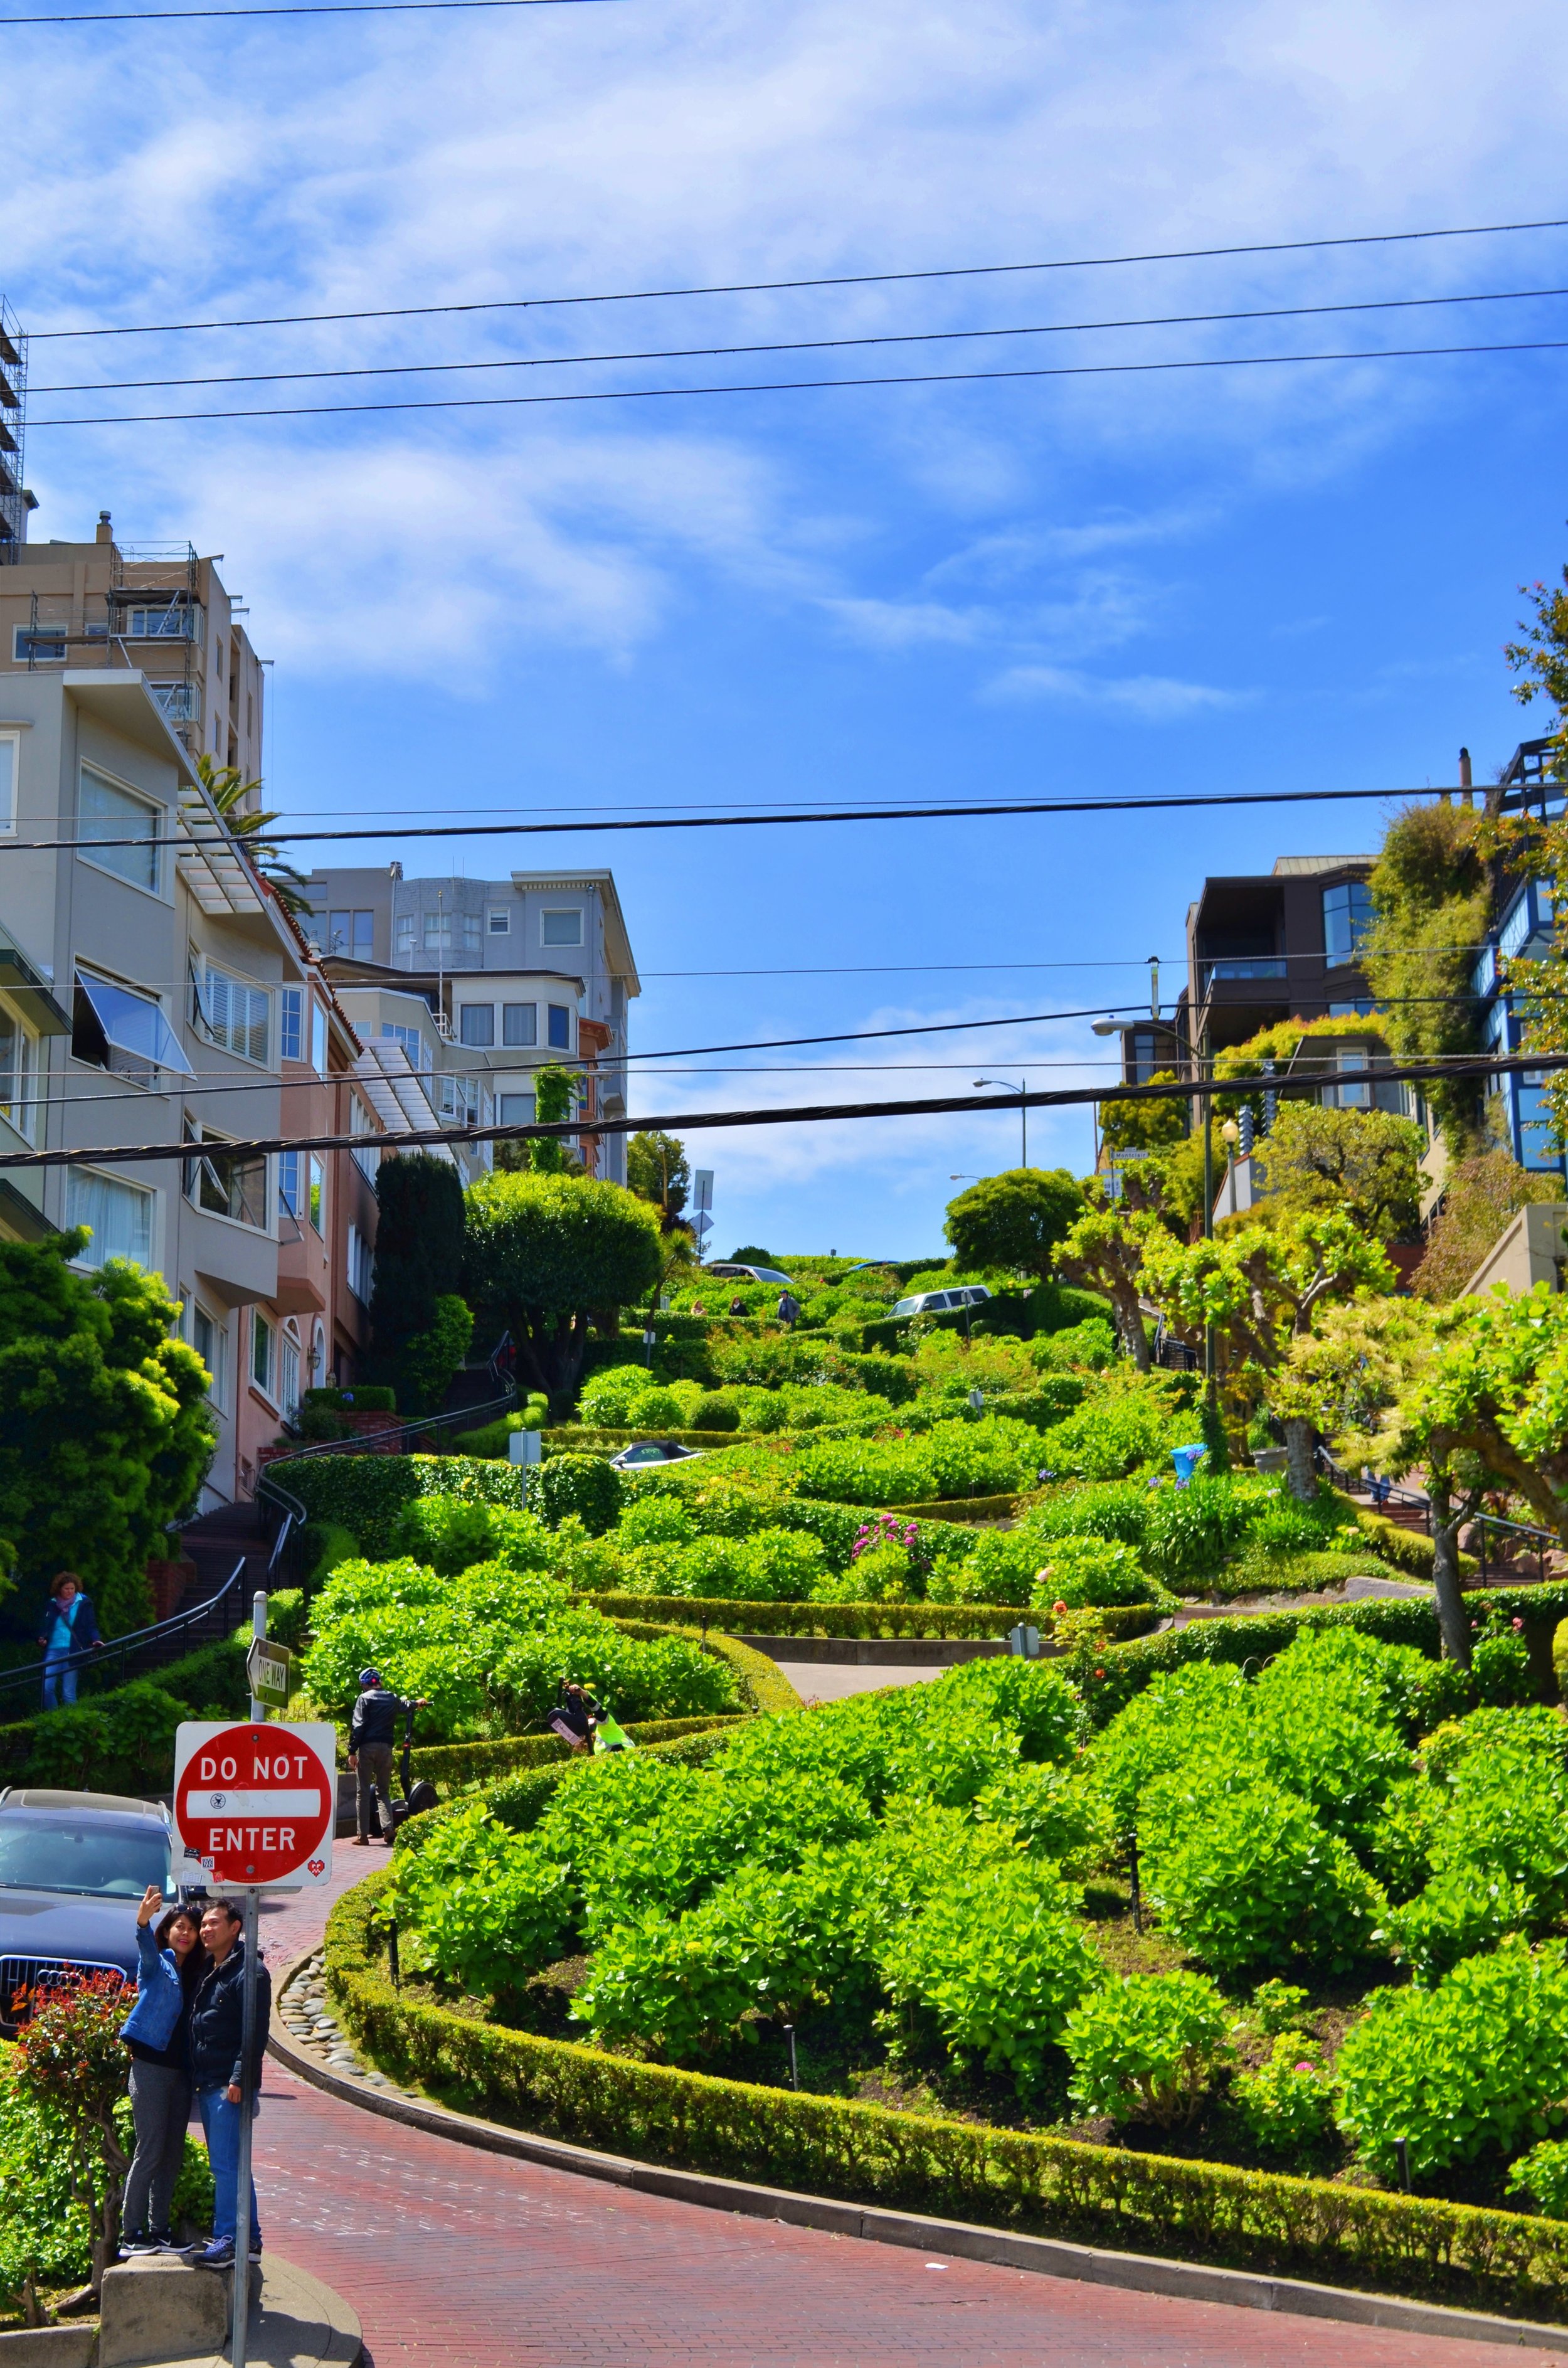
(256,1805)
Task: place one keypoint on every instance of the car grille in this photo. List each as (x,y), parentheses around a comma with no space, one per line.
(23,1979)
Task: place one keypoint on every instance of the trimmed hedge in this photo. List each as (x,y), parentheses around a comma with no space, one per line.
(364,1493)
(735,1617)
(762,1681)
(577,1438)
(447,1765)
(962,1510)
(518,1801)
(1113,1676)
(1406,1549)
(826,2145)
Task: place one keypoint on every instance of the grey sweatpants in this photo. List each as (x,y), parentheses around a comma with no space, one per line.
(160,2108)
(375,1762)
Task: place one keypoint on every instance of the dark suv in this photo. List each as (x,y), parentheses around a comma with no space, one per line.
(73,1869)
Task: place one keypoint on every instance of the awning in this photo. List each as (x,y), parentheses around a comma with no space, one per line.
(26,986)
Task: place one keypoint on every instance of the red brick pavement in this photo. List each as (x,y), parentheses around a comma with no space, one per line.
(456,2259)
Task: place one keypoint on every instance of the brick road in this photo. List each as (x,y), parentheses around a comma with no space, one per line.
(455,2258)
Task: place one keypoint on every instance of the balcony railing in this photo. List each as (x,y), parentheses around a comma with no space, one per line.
(1225,967)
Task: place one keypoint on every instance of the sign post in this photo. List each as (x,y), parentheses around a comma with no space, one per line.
(254,1808)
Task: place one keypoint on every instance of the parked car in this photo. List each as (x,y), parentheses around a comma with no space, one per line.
(649,1453)
(730,1271)
(72,1867)
(932,1302)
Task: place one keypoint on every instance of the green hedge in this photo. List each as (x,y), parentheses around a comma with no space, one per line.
(1406,1549)
(575,1437)
(960,1510)
(1123,1670)
(518,1801)
(122,1739)
(449,1765)
(364,1493)
(734,1617)
(762,1682)
(960,2170)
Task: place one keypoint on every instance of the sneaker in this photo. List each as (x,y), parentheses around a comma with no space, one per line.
(133,2247)
(218,2255)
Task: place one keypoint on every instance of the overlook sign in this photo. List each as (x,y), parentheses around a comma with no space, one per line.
(254,1805)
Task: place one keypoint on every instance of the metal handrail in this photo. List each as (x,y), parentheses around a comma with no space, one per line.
(1385,1492)
(359,1442)
(98,1657)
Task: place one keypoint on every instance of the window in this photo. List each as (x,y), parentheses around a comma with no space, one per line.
(224,1185)
(289,1202)
(288,1371)
(516,1110)
(290,1023)
(44,645)
(176,701)
(1356,1010)
(17,1063)
(409,1038)
(438,933)
(169,621)
(520,1023)
(469,932)
(358,1265)
(210,1343)
(352,933)
(460,1099)
(317,1187)
(498,920)
(562,927)
(360,1122)
(476,1023)
(560,1028)
(116,1029)
(1346,916)
(318,1038)
(406,933)
(105,812)
(10,774)
(263,1353)
(118,1216)
(230,1011)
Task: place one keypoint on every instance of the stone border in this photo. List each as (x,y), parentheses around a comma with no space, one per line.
(961,2239)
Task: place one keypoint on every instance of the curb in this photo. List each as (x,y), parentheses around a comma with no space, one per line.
(961,2239)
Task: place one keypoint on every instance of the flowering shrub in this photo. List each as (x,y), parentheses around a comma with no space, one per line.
(1541,2177)
(1146,2049)
(1101,1572)
(1286,2104)
(1500,1662)
(72,2063)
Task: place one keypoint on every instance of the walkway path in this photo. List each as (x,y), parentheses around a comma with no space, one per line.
(455,2258)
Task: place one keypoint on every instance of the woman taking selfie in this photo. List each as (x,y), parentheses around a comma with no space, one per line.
(170,1966)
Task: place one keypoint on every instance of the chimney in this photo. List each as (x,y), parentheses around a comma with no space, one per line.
(105,532)
(1466,780)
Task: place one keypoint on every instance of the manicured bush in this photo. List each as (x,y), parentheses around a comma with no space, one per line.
(1086,1571)
(1286,2104)
(1245,1875)
(1146,2049)
(1115,1434)
(583,1485)
(1479,2062)
(1191,1531)
(1541,2177)
(364,1493)
(451,1534)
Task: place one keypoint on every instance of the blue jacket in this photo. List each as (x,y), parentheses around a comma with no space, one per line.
(155,2017)
(83,1625)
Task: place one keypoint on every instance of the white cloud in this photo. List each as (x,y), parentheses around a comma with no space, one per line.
(1154,699)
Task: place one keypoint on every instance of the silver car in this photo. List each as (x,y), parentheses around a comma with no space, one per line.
(933,1302)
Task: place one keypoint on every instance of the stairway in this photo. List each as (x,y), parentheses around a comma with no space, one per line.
(214,1542)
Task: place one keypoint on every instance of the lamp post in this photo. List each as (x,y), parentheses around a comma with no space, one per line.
(1023,1088)
(1231,1134)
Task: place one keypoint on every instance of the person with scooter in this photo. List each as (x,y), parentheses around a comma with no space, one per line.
(372,1731)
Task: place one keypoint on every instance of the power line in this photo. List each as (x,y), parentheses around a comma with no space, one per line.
(802,345)
(782,287)
(811,1114)
(797,385)
(325,9)
(192,845)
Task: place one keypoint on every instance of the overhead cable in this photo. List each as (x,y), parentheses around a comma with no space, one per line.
(782,287)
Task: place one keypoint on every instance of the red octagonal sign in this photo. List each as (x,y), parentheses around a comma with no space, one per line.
(256,1804)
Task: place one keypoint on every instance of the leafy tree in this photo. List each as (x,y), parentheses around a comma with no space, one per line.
(657,1170)
(1541,661)
(229,792)
(1481,1196)
(1144,1126)
(1014,1221)
(1538,848)
(749,1255)
(1104,1251)
(1363,1162)
(104,1430)
(417,1312)
(545,1250)
(1432,903)
(1260,1287)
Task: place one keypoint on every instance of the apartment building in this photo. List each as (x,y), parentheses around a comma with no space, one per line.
(1522,928)
(153,992)
(481,981)
(154,609)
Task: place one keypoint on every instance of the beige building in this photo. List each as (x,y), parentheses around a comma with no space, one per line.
(154,610)
(1533,1247)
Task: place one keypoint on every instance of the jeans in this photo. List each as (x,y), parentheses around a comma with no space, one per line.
(222,2122)
(160,2108)
(375,1768)
(56,1670)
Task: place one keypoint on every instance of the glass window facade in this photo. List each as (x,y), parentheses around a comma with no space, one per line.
(560,1028)
(106,813)
(520,1023)
(1346,916)
(476,1023)
(119,1216)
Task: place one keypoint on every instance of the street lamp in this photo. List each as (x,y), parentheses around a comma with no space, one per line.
(1023,1088)
(1230,1135)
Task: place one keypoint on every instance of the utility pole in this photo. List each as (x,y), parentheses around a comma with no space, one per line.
(1204,1069)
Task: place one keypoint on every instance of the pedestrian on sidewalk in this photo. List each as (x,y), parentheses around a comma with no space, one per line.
(372,1731)
(217,2037)
(70,1626)
(171,1961)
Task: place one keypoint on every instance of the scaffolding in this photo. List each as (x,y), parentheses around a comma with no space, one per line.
(148,615)
(15,499)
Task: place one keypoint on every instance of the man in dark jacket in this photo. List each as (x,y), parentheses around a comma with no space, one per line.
(372,1731)
(217,2035)
(70,1626)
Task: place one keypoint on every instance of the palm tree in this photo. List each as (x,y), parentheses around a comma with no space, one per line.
(229,792)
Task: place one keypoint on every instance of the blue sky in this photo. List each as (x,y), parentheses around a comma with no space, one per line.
(1280,579)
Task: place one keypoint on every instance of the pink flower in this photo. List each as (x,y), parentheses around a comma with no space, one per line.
(1519,1626)
(1305,2068)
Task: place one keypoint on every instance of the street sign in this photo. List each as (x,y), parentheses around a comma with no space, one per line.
(254,1805)
(702,1187)
(273,1672)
